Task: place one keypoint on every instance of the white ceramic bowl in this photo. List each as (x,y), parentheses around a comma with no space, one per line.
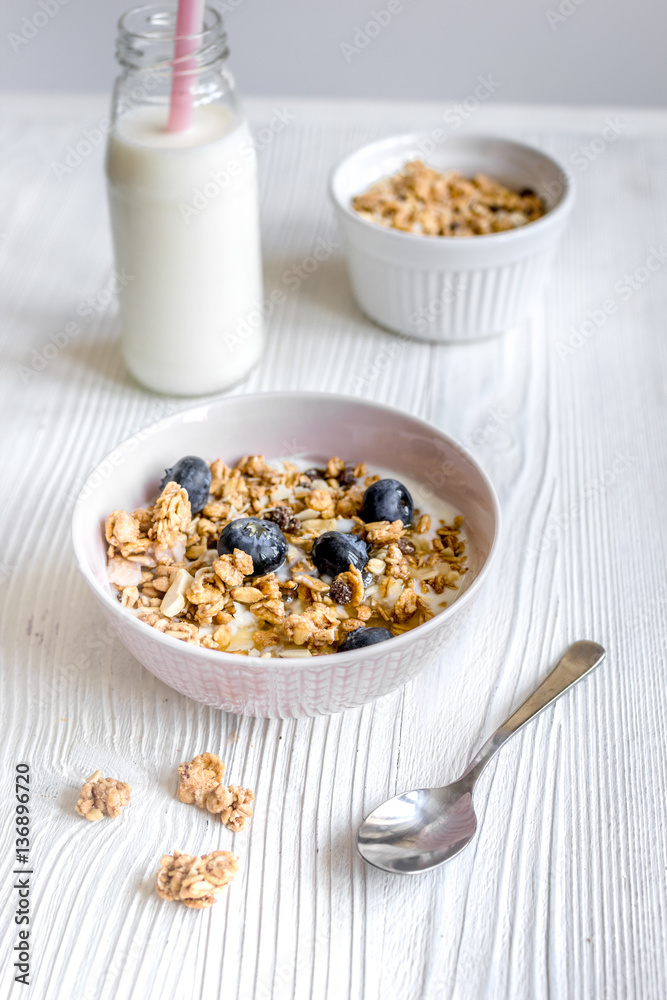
(446,288)
(306,425)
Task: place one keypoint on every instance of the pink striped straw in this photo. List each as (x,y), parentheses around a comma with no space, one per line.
(189,23)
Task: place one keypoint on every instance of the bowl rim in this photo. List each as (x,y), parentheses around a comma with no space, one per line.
(508,236)
(234,660)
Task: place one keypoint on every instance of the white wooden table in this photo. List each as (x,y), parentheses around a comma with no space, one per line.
(562,895)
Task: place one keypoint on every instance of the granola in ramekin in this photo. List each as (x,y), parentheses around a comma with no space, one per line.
(418,199)
(271,559)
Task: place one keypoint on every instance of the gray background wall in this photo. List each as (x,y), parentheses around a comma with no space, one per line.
(571,51)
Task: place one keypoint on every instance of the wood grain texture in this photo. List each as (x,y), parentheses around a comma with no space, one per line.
(562,894)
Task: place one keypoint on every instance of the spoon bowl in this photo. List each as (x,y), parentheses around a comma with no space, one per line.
(421,829)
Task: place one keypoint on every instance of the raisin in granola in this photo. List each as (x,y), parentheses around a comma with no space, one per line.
(340,591)
(284,518)
(347,476)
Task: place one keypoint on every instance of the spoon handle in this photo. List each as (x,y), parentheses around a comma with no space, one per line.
(578,660)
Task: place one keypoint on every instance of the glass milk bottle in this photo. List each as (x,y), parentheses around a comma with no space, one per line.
(184,210)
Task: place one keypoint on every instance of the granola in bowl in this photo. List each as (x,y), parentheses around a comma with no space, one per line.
(421,200)
(280,559)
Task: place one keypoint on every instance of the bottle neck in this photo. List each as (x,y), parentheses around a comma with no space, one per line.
(145,51)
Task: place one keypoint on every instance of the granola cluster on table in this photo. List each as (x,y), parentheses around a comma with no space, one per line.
(186,569)
(194,880)
(421,200)
(101,797)
(200,783)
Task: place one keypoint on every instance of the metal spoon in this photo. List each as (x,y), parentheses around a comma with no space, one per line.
(419,830)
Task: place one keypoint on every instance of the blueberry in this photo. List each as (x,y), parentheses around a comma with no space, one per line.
(263,540)
(387,500)
(364,637)
(194,475)
(333,552)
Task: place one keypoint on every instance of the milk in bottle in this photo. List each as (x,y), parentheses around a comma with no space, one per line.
(184,216)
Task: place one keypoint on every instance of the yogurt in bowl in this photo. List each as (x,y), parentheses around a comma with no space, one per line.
(297,427)
(280,558)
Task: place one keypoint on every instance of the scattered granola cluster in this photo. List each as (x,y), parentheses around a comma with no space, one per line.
(102,797)
(165,565)
(200,783)
(419,199)
(195,881)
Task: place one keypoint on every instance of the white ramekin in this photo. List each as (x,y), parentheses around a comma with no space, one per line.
(272,424)
(445,288)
